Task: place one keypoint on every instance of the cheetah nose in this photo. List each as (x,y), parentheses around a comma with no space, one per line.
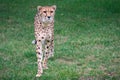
(48,17)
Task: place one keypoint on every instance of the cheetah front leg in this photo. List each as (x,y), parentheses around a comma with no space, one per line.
(39,55)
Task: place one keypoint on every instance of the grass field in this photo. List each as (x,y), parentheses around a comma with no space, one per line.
(87,40)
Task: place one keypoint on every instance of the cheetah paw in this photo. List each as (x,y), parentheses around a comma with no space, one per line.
(38,75)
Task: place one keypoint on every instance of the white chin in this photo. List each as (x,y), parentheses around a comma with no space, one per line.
(47,21)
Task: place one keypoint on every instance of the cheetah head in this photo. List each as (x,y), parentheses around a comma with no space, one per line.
(46,13)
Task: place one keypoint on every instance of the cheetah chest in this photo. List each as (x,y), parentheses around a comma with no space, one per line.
(44,34)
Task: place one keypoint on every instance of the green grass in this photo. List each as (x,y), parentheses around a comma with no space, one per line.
(87,40)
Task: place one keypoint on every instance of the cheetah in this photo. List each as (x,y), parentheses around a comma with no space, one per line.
(44,36)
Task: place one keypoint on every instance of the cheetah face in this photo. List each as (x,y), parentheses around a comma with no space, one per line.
(47,13)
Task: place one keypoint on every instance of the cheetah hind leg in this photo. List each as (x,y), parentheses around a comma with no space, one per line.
(51,49)
(46,55)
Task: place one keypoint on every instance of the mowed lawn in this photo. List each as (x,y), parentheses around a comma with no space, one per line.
(87,40)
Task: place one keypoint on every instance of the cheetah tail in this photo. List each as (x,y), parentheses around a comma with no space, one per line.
(34,42)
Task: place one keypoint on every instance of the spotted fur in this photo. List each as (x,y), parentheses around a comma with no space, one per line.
(44,35)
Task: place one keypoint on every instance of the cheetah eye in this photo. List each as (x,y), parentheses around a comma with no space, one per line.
(51,11)
(44,11)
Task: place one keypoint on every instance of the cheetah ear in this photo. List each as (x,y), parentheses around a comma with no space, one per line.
(54,7)
(39,8)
